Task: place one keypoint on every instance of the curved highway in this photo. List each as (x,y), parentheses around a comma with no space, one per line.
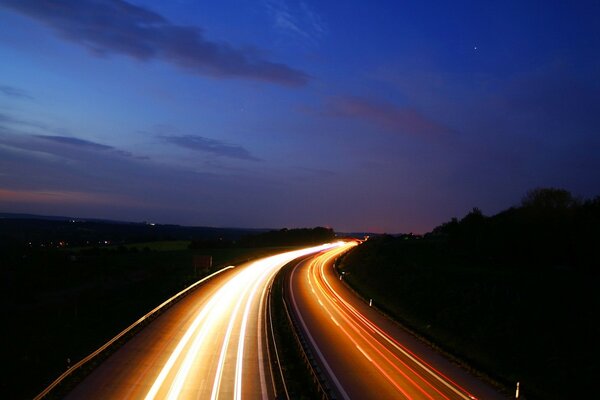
(364,354)
(209,345)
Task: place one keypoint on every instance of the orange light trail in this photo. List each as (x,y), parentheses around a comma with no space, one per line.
(373,343)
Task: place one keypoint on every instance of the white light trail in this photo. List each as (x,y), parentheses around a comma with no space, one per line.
(219,317)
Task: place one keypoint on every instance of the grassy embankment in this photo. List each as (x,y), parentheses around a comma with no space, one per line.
(514,295)
(60,304)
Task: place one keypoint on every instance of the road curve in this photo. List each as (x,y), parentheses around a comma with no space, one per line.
(364,354)
(209,345)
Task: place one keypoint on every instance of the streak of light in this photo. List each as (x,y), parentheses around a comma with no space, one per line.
(375,344)
(225,314)
(221,363)
(391,359)
(242,339)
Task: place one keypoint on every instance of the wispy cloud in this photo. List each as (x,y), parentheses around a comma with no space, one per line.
(211,146)
(61,197)
(29,136)
(313,19)
(118,27)
(393,118)
(15,92)
(296,18)
(9,120)
(58,177)
(72,141)
(63,170)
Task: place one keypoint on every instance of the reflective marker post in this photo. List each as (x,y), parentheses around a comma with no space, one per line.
(517,393)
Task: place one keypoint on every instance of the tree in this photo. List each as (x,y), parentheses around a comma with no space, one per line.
(548,199)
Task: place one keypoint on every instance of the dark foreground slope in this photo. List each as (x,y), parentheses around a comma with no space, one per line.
(514,295)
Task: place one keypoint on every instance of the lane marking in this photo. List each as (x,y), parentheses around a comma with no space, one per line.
(232,288)
(209,315)
(237,389)
(259,330)
(182,343)
(219,373)
(359,329)
(426,367)
(334,378)
(363,352)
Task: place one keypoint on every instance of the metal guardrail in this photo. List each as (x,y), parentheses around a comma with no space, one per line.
(274,343)
(319,379)
(121,335)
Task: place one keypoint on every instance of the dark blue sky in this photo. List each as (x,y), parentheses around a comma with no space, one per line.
(385,116)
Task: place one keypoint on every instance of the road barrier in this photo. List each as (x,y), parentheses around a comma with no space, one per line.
(280,386)
(123,335)
(319,379)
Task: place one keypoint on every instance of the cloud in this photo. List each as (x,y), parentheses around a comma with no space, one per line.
(57,170)
(72,141)
(402,120)
(20,135)
(212,146)
(117,27)
(14,92)
(52,177)
(296,19)
(313,19)
(6,119)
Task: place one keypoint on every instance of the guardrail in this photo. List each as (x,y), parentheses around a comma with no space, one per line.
(273,341)
(125,332)
(319,379)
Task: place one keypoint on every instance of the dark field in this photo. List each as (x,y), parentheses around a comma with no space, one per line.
(65,303)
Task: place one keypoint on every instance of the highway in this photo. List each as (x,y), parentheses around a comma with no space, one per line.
(364,354)
(209,345)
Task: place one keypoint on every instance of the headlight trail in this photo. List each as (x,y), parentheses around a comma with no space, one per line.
(225,315)
(208,345)
(217,381)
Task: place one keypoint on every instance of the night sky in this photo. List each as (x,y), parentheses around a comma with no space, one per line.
(360,115)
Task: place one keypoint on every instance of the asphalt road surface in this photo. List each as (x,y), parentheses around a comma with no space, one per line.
(364,354)
(209,345)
